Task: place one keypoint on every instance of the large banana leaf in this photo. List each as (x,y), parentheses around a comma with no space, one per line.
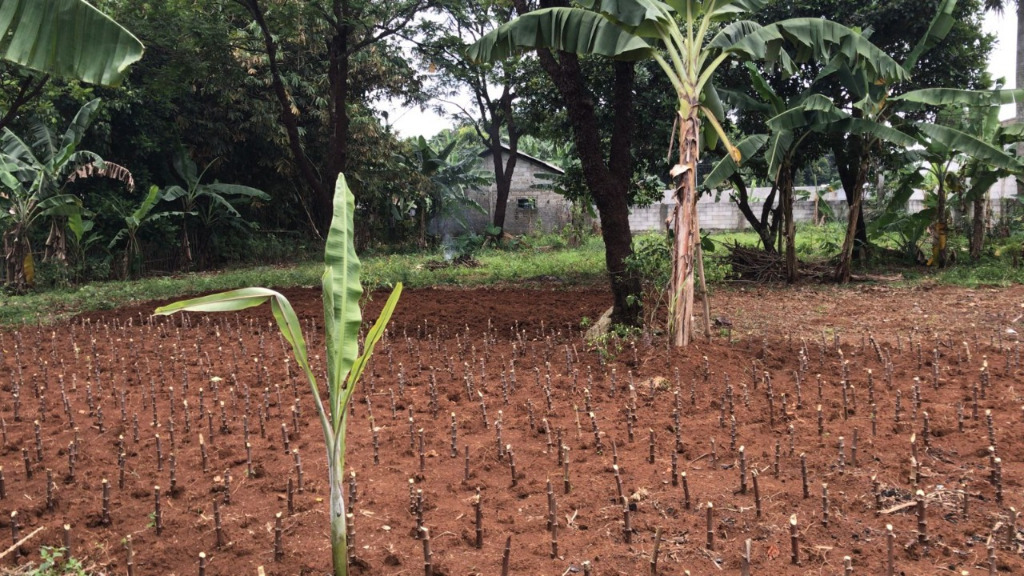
(68,38)
(818,39)
(638,16)
(727,166)
(567,29)
(952,139)
(960,97)
(341,294)
(939,27)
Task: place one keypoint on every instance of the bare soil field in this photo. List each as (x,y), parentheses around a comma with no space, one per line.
(842,410)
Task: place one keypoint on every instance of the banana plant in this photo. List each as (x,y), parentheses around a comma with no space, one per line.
(689,40)
(208,204)
(966,127)
(345,365)
(68,38)
(142,214)
(37,171)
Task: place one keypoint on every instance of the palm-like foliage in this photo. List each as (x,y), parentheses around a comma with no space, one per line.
(35,175)
(449,180)
(689,39)
(67,38)
(208,205)
(133,222)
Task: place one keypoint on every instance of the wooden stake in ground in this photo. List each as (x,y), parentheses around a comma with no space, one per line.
(428,567)
(278,536)
(711,527)
(890,543)
(745,559)
(794,541)
(654,554)
(922,520)
(130,563)
(507,554)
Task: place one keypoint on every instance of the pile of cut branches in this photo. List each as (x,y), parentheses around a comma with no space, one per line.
(756,265)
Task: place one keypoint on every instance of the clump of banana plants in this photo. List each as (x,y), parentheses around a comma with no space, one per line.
(342,320)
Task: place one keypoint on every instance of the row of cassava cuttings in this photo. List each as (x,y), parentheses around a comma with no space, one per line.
(510,437)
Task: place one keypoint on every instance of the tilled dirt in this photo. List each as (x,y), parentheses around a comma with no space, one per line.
(517,357)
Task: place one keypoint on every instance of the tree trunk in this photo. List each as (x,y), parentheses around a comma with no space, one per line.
(786,199)
(763,225)
(979,224)
(939,233)
(291,124)
(686,233)
(337,153)
(503,170)
(854,197)
(608,183)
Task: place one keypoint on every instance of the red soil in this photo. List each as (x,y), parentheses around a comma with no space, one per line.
(480,332)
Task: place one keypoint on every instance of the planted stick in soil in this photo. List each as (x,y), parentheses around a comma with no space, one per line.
(757,494)
(686,490)
(507,554)
(428,568)
(278,533)
(566,485)
(824,504)
(477,509)
(627,527)
(105,514)
(157,514)
(794,541)
(922,520)
(130,563)
(654,554)
(744,559)
(218,527)
(710,545)
(803,475)
(890,544)
(743,470)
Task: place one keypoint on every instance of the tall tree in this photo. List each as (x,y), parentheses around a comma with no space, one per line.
(353,33)
(947,50)
(689,49)
(493,87)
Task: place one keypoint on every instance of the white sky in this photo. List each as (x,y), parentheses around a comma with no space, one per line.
(411,121)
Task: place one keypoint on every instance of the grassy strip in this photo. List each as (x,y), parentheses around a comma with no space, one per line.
(546,262)
(541,264)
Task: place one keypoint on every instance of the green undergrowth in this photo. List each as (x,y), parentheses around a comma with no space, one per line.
(548,264)
(545,261)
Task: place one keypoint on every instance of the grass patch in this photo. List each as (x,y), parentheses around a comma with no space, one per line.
(543,261)
(525,264)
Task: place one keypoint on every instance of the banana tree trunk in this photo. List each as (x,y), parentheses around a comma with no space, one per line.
(339,537)
(686,232)
(843,270)
(979,225)
(57,241)
(786,190)
(940,232)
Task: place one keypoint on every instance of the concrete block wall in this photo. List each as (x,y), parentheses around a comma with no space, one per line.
(551,212)
(725,215)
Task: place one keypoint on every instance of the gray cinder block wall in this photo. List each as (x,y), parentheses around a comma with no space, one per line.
(725,215)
